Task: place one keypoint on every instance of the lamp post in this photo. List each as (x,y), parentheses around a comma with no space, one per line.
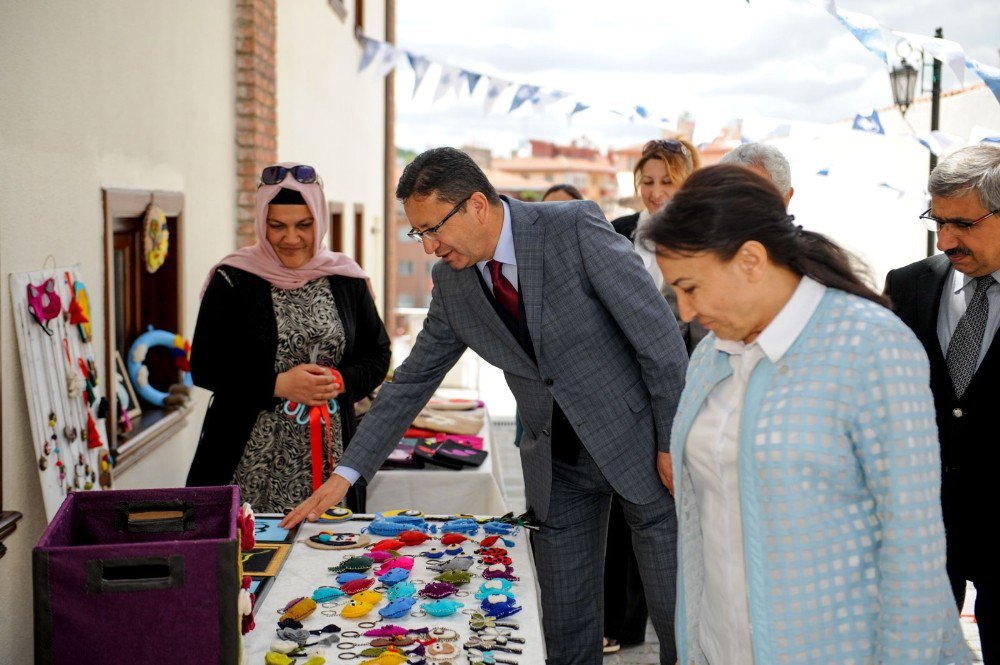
(903,79)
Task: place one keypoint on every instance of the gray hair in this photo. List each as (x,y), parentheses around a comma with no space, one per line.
(766,157)
(974,168)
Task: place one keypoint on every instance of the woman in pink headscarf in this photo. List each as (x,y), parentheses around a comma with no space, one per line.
(287,339)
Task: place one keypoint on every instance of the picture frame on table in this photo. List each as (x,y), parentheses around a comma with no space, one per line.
(265,559)
(126,394)
(266,530)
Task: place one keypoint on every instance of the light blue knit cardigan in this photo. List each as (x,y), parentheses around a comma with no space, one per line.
(839,490)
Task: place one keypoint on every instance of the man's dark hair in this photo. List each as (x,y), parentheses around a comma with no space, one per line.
(570,190)
(448,173)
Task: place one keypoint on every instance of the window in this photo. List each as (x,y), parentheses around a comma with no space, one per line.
(336,232)
(136,299)
(405,268)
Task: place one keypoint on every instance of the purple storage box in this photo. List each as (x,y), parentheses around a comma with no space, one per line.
(139,576)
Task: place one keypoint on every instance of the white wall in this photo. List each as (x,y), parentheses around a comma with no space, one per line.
(99,94)
(332,117)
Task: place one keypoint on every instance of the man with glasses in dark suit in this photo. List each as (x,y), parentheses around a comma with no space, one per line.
(952,302)
(553,296)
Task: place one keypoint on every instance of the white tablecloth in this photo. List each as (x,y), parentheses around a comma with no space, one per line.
(437,490)
(306,569)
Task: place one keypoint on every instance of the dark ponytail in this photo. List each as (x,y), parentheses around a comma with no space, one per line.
(720,208)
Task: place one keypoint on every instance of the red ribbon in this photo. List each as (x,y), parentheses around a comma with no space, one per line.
(319,417)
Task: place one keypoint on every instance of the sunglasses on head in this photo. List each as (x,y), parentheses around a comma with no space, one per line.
(275,175)
(670,145)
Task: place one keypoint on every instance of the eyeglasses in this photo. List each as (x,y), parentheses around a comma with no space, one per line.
(958,226)
(275,175)
(432,233)
(670,145)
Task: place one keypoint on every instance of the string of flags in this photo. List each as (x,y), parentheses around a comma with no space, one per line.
(382,57)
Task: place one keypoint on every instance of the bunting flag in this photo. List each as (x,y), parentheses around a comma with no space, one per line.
(387,59)
(495,87)
(944,50)
(641,110)
(369,49)
(580,106)
(866,30)
(524,93)
(990,75)
(544,100)
(980,134)
(419,64)
(449,75)
(868,123)
(938,142)
(471,78)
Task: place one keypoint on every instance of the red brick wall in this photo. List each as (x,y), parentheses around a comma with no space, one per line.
(256,121)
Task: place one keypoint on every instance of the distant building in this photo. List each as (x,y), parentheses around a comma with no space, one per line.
(594,174)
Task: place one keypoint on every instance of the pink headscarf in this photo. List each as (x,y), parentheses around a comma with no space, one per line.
(261,259)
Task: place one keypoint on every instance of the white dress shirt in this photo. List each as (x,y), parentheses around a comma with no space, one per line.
(955,299)
(711,458)
(648,257)
(504,253)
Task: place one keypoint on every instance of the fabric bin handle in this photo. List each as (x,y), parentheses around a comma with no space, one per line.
(155,516)
(135,574)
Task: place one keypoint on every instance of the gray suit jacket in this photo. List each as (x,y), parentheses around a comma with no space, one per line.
(607,346)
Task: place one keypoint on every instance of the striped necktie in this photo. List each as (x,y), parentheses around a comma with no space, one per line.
(966,342)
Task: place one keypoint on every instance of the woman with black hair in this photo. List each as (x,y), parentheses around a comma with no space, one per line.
(804,448)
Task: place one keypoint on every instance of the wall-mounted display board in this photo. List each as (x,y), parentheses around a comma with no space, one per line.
(63,390)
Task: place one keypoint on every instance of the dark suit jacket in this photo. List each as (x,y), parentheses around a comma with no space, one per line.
(967,427)
(692,332)
(604,348)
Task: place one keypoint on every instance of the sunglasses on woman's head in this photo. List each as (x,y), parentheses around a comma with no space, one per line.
(274,175)
(670,145)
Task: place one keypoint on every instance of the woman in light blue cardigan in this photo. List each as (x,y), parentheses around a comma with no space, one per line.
(805,450)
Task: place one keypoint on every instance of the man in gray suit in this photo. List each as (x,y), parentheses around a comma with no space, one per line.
(553,296)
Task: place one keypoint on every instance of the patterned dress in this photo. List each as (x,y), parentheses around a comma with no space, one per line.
(275,471)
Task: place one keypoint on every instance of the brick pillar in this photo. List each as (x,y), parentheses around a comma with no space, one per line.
(256,120)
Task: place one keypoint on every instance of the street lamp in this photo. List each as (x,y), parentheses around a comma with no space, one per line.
(904,82)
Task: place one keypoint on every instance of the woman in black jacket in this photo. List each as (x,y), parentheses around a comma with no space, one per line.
(287,339)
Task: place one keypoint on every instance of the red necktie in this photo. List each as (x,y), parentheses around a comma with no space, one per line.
(503,290)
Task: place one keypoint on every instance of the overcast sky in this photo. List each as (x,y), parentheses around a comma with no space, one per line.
(717,59)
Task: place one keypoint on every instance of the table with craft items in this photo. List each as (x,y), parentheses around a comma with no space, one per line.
(438,490)
(306,571)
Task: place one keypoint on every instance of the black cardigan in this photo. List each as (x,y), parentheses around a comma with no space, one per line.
(232,354)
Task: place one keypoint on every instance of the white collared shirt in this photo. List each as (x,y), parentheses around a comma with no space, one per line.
(504,253)
(711,457)
(955,300)
(648,257)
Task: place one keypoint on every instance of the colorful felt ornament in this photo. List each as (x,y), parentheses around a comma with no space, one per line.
(328,540)
(44,303)
(441,608)
(389,630)
(325,594)
(452,539)
(442,634)
(368,596)
(500,571)
(413,537)
(393,525)
(394,576)
(344,578)
(455,563)
(298,608)
(401,590)
(354,609)
(454,550)
(357,586)
(465,526)
(354,564)
(433,553)
(456,577)
(442,651)
(499,528)
(387,658)
(494,560)
(246,526)
(381,556)
(155,238)
(139,373)
(397,608)
(78,310)
(493,586)
(388,544)
(404,562)
(394,641)
(336,514)
(438,590)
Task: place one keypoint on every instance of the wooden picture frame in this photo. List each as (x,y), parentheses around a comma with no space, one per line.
(264,560)
(134,409)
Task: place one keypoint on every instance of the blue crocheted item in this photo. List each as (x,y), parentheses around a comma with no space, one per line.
(462,525)
(501,528)
(396,524)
